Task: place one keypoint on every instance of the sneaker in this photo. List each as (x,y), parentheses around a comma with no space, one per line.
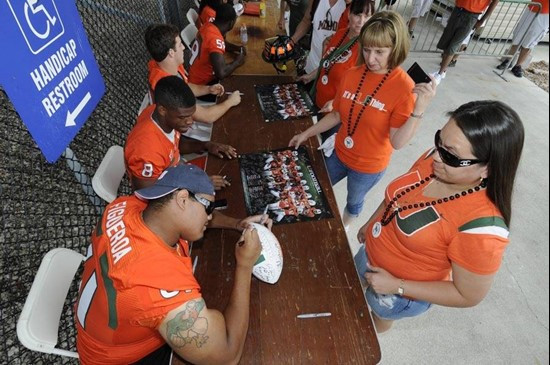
(438,77)
(452,64)
(517,71)
(505,64)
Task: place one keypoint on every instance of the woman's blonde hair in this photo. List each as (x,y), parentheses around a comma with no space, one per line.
(386,29)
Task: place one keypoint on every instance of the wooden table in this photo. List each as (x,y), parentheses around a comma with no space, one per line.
(318,274)
(259,29)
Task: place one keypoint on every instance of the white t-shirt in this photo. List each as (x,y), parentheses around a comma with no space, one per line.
(325,23)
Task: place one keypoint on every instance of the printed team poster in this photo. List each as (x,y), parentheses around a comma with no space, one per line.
(284,102)
(282,183)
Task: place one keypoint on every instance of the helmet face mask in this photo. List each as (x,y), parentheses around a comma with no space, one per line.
(278,51)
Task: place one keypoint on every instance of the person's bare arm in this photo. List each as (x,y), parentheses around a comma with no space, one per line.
(330,120)
(223,70)
(205,336)
(467,289)
(487,14)
(399,137)
(211,113)
(220,220)
(304,26)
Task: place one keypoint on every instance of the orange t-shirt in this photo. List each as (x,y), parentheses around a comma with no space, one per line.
(156,73)
(391,107)
(131,280)
(343,63)
(208,15)
(543,10)
(473,6)
(422,243)
(209,40)
(149,150)
(344,19)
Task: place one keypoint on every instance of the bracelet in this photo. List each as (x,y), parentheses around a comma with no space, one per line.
(401,289)
(418,116)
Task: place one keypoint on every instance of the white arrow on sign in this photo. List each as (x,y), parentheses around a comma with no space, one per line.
(71,117)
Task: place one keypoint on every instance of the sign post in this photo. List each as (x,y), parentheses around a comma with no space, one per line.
(48,70)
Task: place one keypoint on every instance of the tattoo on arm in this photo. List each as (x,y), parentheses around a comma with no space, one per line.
(188,326)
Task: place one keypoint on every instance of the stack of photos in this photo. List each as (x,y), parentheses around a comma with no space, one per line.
(282,183)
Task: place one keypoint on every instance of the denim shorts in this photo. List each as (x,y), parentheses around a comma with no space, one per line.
(389,307)
(359,183)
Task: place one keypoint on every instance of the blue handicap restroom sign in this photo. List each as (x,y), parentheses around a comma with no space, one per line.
(48,70)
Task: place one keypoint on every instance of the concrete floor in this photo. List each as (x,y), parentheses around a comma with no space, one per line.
(511,325)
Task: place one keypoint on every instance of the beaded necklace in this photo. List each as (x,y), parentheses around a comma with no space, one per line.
(395,210)
(348,141)
(331,59)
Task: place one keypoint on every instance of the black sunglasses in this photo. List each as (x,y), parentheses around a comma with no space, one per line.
(450,159)
(207,204)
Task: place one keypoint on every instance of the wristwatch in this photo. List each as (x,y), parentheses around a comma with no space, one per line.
(401,289)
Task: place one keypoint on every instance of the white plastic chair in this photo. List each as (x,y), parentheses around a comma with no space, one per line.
(38,324)
(109,174)
(147,100)
(192,16)
(188,34)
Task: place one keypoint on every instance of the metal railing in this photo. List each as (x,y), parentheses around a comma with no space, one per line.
(492,40)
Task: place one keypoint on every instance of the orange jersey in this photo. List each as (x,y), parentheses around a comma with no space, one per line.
(209,40)
(543,10)
(344,19)
(208,15)
(156,73)
(131,280)
(473,6)
(343,63)
(391,107)
(422,243)
(149,150)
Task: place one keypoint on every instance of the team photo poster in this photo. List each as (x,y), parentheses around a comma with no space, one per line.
(282,183)
(284,102)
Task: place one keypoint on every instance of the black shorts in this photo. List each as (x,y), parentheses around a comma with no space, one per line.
(161,356)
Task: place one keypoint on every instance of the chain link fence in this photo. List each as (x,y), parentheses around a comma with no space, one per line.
(44,205)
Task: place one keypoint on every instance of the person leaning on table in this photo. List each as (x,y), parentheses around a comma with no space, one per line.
(375,104)
(166,48)
(155,142)
(139,301)
(449,214)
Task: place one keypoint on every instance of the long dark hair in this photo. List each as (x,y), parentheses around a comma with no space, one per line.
(496,134)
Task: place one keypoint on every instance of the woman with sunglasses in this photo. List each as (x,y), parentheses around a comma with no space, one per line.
(448,215)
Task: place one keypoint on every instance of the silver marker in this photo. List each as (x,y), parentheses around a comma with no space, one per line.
(314,315)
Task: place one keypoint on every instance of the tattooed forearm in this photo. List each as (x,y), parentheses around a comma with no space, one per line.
(188,326)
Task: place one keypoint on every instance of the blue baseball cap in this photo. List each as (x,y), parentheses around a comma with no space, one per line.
(182,176)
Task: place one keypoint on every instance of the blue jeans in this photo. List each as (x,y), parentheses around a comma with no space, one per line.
(359,183)
(388,307)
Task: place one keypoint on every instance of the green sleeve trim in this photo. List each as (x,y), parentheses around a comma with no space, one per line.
(484,222)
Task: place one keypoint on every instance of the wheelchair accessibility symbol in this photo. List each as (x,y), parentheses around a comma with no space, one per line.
(39,22)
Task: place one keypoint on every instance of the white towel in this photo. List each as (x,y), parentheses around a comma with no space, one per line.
(328,146)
